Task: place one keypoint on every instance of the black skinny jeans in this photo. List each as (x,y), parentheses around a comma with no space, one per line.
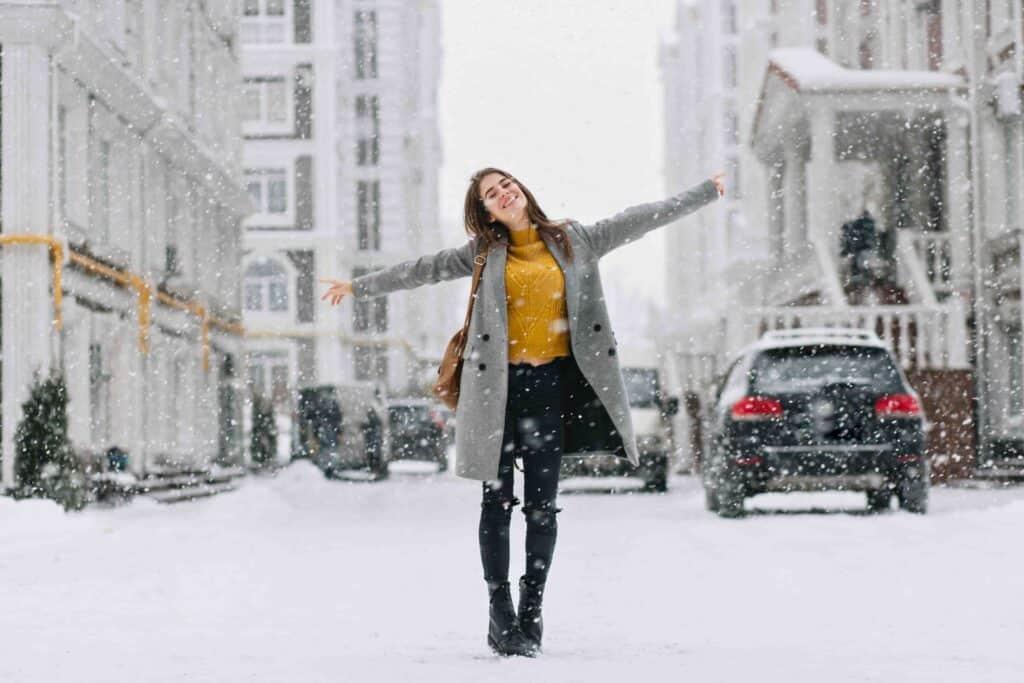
(533,431)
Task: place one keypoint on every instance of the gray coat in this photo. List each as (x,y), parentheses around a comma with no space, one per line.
(481,411)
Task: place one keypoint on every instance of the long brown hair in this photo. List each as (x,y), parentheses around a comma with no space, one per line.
(479,226)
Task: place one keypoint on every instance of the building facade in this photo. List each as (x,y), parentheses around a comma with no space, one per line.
(828,111)
(121,163)
(341,157)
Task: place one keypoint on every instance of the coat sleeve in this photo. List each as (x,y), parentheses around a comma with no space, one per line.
(636,221)
(447,264)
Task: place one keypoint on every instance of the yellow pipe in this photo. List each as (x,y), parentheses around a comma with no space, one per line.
(57,254)
(144,293)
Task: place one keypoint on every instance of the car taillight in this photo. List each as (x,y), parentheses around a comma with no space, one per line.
(897,405)
(752,408)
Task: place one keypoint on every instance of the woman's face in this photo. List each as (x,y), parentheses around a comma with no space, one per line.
(502,198)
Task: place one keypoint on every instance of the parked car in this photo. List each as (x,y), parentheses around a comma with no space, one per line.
(418,431)
(816,409)
(650,410)
(343,428)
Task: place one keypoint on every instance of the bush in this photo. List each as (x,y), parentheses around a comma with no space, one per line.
(263,440)
(45,465)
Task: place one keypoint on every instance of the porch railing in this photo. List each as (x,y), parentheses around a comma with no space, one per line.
(920,336)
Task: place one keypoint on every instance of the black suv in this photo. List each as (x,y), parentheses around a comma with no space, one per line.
(814,410)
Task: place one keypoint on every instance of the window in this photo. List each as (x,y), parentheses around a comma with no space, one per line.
(366,44)
(368,214)
(369,314)
(367,130)
(263,21)
(266,286)
(172,259)
(268,8)
(62,161)
(732,176)
(99,395)
(265,100)
(730,67)
(101,197)
(729,24)
(371,362)
(732,128)
(269,189)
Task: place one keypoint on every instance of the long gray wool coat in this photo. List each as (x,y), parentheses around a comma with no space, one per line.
(481,410)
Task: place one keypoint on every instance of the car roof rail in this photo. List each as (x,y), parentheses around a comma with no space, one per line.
(799,333)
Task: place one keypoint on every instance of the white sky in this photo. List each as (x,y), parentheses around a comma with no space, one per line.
(566,95)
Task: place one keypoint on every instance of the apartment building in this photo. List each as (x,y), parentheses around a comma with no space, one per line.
(341,155)
(121,218)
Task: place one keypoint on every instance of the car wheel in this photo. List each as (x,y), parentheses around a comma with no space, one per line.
(730,501)
(913,495)
(710,500)
(879,500)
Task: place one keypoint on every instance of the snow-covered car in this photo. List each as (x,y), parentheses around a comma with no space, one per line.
(418,431)
(816,409)
(343,428)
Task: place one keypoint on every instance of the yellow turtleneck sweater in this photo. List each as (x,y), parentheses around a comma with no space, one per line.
(538,322)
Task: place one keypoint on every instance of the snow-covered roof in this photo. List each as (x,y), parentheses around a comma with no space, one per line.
(807,70)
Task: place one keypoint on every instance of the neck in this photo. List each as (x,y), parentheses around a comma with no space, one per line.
(520,222)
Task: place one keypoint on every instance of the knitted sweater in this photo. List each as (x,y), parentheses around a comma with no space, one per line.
(538,322)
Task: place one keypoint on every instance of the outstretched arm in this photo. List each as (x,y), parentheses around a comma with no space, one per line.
(637,221)
(447,264)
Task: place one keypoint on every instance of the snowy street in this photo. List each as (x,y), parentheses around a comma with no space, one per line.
(296,578)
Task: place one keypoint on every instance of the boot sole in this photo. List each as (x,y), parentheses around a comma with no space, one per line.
(504,653)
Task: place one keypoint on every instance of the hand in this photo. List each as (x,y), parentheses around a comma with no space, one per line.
(337,291)
(719,180)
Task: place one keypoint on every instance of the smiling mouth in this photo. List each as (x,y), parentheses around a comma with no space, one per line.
(508,201)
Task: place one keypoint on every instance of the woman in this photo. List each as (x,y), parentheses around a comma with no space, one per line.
(540,374)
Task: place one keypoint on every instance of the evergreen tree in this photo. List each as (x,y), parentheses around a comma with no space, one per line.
(45,464)
(263,440)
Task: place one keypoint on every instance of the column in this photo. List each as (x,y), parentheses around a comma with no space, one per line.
(823,219)
(958,200)
(27,303)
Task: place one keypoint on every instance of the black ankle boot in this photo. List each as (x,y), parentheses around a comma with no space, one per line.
(531,593)
(504,635)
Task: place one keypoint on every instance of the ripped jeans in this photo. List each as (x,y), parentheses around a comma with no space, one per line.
(533,431)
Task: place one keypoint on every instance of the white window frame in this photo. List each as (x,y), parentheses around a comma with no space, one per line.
(263,125)
(263,28)
(264,314)
(263,216)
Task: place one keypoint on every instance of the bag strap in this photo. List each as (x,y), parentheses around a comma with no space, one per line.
(478,268)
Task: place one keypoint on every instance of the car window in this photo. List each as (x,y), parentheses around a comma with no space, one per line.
(408,415)
(809,368)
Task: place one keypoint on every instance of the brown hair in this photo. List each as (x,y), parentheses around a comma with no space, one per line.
(479,226)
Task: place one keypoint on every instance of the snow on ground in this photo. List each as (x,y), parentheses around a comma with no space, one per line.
(295,578)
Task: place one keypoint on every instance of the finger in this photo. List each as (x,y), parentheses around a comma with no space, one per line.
(330,281)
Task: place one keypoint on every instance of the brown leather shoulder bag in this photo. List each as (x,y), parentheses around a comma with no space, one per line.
(449,373)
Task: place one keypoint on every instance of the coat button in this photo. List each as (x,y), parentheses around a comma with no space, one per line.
(611,352)
(486,337)
(482,367)
(597,327)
